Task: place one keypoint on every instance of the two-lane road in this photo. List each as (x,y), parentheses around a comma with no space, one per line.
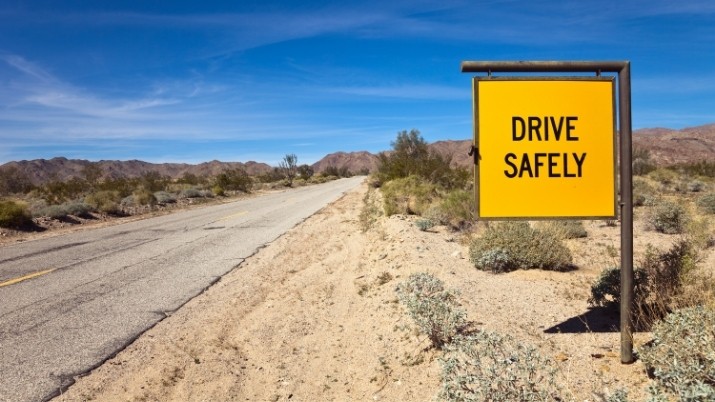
(68,303)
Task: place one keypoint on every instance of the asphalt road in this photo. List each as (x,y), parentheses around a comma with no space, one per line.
(97,290)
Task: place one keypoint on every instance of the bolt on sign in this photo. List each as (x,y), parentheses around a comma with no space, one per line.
(546,147)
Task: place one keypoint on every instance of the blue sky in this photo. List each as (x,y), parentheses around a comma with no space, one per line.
(188,81)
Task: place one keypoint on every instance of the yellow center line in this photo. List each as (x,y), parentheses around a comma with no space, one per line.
(236,215)
(26,277)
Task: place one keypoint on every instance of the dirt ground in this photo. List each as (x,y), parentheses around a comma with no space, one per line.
(314,317)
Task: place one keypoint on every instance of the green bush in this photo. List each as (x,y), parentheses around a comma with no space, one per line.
(409,195)
(669,217)
(643,193)
(516,245)
(706,203)
(434,309)
(106,201)
(682,354)
(235,180)
(486,366)
(411,157)
(13,214)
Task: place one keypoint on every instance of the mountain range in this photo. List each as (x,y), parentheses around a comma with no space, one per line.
(666,147)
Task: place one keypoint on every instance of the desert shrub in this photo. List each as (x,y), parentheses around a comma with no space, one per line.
(342,171)
(305,171)
(163,198)
(642,162)
(702,168)
(191,179)
(695,186)
(63,210)
(13,214)
(412,157)
(606,290)
(317,179)
(218,191)
(370,210)
(664,176)
(51,211)
(486,366)
(424,224)
(618,395)
(153,181)
(668,217)
(57,192)
(513,245)
(143,196)
(566,229)
(456,210)
(239,180)
(643,193)
(706,203)
(658,284)
(122,186)
(14,181)
(127,202)
(409,195)
(77,208)
(190,193)
(434,309)
(106,201)
(682,354)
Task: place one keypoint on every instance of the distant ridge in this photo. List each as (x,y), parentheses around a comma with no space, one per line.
(666,147)
(353,161)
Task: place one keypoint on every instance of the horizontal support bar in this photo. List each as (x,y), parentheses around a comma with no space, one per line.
(543,66)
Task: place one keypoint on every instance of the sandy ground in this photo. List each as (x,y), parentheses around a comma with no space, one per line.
(314,317)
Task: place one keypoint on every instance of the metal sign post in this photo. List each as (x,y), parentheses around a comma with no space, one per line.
(622,68)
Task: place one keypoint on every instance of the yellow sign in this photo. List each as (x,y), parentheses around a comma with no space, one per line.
(546,147)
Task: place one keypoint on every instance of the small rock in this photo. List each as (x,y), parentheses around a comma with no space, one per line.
(457,254)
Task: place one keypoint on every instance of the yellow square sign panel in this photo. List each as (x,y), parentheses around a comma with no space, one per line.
(546,147)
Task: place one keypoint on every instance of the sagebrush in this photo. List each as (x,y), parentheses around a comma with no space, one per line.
(508,246)
(682,355)
(433,308)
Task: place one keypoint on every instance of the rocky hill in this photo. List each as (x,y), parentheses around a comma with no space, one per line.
(354,161)
(666,147)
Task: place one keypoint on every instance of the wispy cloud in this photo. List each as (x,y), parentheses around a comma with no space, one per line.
(427,92)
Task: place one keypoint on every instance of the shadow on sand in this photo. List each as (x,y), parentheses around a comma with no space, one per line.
(597,319)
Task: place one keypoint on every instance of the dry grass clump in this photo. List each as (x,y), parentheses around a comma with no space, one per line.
(508,246)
